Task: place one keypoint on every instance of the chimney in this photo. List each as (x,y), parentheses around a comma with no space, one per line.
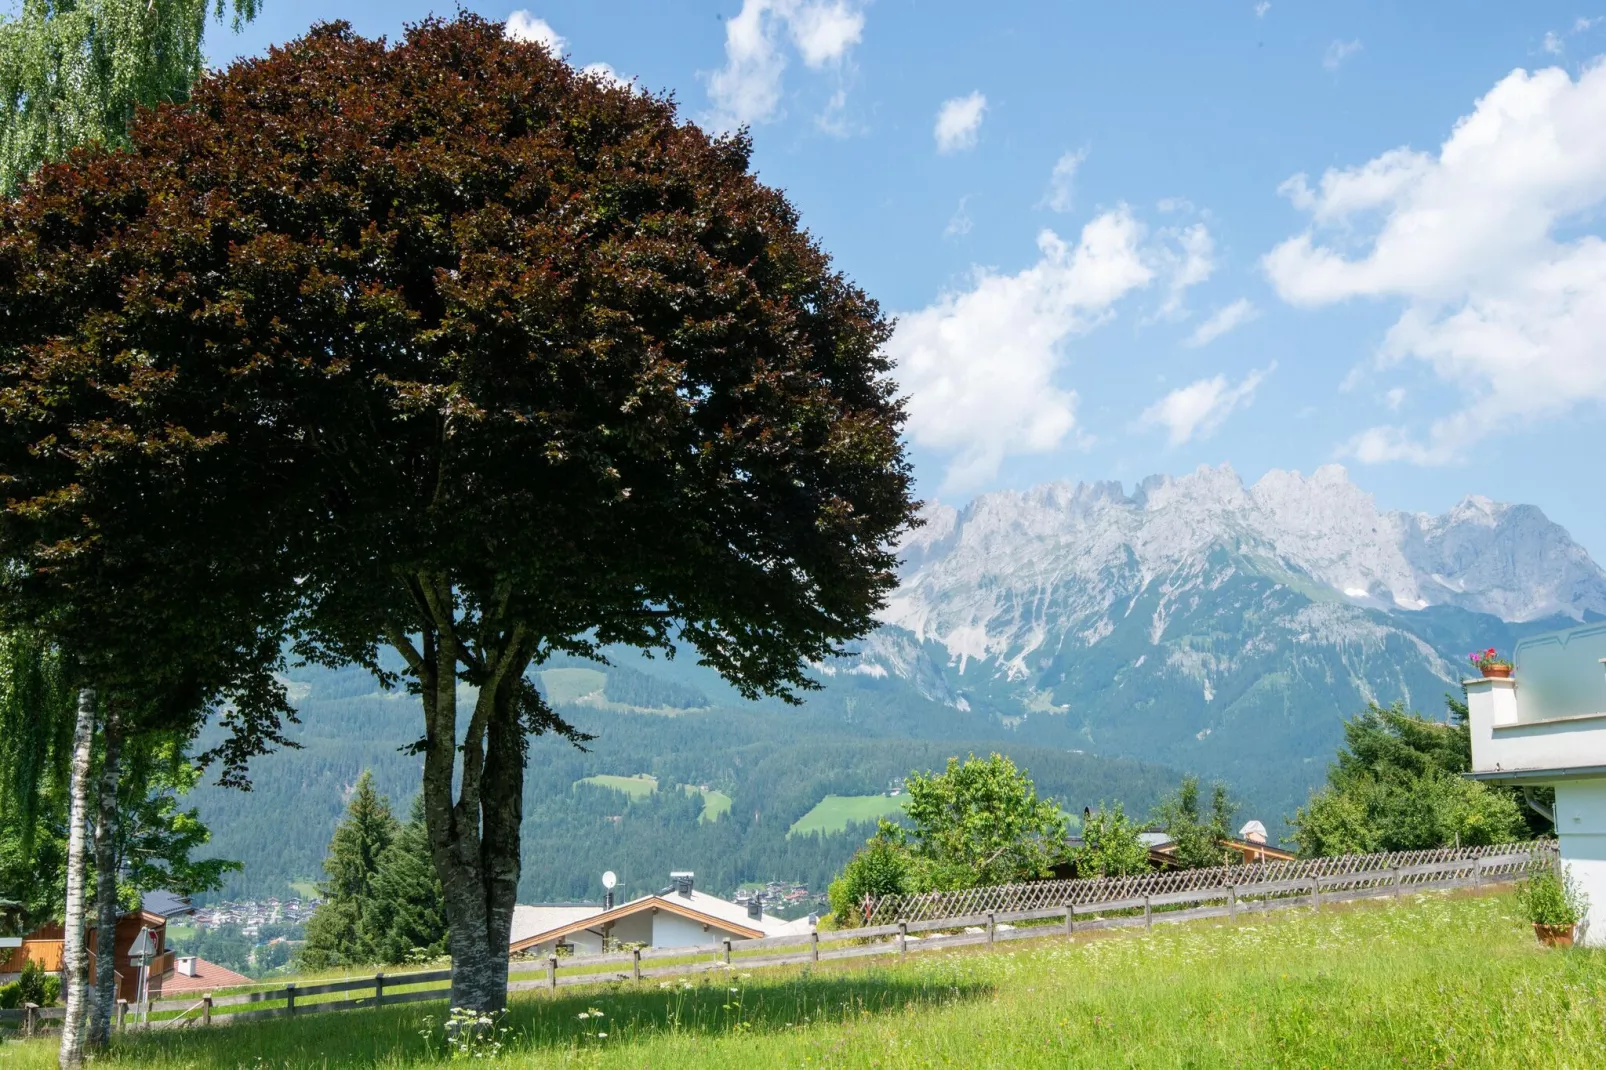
(185,965)
(755,908)
(682,881)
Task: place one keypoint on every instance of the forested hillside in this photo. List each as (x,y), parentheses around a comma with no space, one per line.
(776,762)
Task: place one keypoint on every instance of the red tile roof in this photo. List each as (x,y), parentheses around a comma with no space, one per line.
(209,977)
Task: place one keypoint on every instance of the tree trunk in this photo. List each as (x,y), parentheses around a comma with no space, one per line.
(105,1001)
(474,837)
(73,957)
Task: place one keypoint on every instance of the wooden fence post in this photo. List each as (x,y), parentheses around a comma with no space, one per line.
(992,926)
(552,972)
(1398,886)
(814,944)
(903,938)
(1477,874)
(727,951)
(147,1015)
(379,989)
(1232,903)
(206,1009)
(289,1001)
(29,1014)
(1070,919)
(635,963)
(122,1015)
(1148,913)
(1316,892)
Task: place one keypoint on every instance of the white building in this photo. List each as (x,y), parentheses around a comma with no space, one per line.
(1546,726)
(679,916)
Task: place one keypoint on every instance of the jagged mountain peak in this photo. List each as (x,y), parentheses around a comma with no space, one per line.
(974,569)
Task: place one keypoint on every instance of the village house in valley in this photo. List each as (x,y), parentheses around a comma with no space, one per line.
(678,916)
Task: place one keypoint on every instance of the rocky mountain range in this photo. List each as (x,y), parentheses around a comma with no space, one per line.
(1213,625)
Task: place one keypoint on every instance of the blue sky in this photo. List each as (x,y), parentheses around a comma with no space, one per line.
(1089,220)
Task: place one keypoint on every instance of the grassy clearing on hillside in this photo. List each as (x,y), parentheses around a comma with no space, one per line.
(637,787)
(1432,981)
(835,812)
(564,686)
(715,803)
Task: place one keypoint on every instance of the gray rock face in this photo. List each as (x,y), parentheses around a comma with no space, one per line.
(1015,571)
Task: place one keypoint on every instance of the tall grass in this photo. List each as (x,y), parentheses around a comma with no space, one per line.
(1434,980)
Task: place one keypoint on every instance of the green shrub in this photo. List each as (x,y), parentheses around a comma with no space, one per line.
(1549,898)
(34,986)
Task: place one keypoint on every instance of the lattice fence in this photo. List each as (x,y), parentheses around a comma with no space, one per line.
(1372,870)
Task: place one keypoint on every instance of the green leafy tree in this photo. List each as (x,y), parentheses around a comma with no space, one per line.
(980,822)
(72,72)
(1197,834)
(1110,846)
(1397,786)
(884,866)
(403,916)
(335,931)
(548,368)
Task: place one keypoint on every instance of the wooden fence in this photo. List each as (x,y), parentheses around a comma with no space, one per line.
(1228,899)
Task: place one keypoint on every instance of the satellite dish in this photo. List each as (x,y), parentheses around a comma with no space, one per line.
(609,880)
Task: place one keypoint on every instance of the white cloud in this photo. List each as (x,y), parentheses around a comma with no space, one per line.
(1553,43)
(823,33)
(1395,398)
(1261,9)
(1223,320)
(523,26)
(606,73)
(1200,408)
(959,121)
(1582,24)
(959,223)
(1062,182)
(1492,244)
(980,366)
(1338,52)
(1190,263)
(748,89)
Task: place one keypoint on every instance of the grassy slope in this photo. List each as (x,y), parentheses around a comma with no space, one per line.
(835,812)
(1437,981)
(636,787)
(715,803)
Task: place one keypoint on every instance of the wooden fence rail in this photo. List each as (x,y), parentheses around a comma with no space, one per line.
(1228,899)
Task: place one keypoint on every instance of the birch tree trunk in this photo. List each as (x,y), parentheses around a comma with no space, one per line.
(73,954)
(105,980)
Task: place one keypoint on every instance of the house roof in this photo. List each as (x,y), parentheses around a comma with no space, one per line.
(698,906)
(165,904)
(530,921)
(209,977)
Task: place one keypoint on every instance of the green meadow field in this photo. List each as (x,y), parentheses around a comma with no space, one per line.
(1431,981)
(835,812)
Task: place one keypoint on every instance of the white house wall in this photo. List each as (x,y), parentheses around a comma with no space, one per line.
(672,930)
(1506,737)
(1581,828)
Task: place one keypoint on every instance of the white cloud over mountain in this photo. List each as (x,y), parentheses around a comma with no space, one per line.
(959,122)
(1198,409)
(979,365)
(982,364)
(1491,244)
(748,88)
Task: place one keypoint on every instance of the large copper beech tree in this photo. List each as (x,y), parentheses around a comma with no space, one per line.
(495,358)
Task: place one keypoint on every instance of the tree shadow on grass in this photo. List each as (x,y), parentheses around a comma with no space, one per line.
(711,1005)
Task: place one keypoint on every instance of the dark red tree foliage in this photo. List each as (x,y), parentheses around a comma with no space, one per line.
(477,357)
